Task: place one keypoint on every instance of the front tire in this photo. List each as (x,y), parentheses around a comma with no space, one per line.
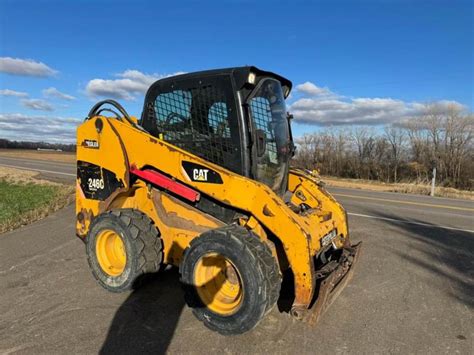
(123,246)
(231,279)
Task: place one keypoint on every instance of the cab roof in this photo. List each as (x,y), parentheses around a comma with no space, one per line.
(239,74)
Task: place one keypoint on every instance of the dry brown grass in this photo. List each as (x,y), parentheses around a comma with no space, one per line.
(20,176)
(65,157)
(409,188)
(26,199)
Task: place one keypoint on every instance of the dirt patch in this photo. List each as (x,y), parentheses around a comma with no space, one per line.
(65,157)
(17,176)
(409,188)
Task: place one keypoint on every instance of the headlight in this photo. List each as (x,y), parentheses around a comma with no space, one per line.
(251,78)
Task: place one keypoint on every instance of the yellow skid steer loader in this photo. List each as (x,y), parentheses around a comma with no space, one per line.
(202,181)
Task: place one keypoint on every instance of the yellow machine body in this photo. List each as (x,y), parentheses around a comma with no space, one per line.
(206,168)
(120,146)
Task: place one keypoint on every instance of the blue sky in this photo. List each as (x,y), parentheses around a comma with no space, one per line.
(351,62)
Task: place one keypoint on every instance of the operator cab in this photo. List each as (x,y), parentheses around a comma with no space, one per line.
(235,118)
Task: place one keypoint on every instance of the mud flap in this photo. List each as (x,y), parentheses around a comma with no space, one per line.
(332,284)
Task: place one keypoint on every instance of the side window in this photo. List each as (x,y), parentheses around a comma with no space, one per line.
(200,120)
(219,120)
(173,113)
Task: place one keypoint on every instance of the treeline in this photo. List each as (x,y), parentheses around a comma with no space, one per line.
(5,143)
(406,152)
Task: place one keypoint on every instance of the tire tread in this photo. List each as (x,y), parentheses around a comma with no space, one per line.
(146,238)
(265,264)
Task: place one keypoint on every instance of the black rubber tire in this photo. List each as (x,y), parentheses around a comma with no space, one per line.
(143,247)
(258,270)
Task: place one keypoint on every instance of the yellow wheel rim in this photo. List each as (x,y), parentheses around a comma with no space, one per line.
(110,251)
(218,284)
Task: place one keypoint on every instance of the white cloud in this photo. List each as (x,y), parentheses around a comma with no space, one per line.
(28,67)
(130,84)
(8,92)
(37,104)
(53,92)
(18,126)
(311,89)
(323,107)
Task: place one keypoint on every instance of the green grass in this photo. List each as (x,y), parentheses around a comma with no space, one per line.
(23,203)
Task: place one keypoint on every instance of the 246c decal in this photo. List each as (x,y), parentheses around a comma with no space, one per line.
(95,184)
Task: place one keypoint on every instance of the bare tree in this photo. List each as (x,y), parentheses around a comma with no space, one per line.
(396,138)
(442,137)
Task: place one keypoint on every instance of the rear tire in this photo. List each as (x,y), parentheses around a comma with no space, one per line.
(123,247)
(257,272)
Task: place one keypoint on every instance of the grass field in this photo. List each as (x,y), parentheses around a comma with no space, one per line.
(65,157)
(24,199)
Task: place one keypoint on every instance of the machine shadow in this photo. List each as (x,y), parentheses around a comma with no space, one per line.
(449,254)
(146,321)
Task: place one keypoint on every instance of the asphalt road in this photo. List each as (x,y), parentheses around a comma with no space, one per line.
(52,170)
(413,291)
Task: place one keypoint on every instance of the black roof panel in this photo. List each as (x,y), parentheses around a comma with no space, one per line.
(240,75)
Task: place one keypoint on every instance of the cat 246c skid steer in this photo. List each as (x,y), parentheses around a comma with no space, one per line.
(202,181)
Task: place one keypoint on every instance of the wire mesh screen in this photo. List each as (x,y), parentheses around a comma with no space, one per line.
(197,120)
(262,117)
